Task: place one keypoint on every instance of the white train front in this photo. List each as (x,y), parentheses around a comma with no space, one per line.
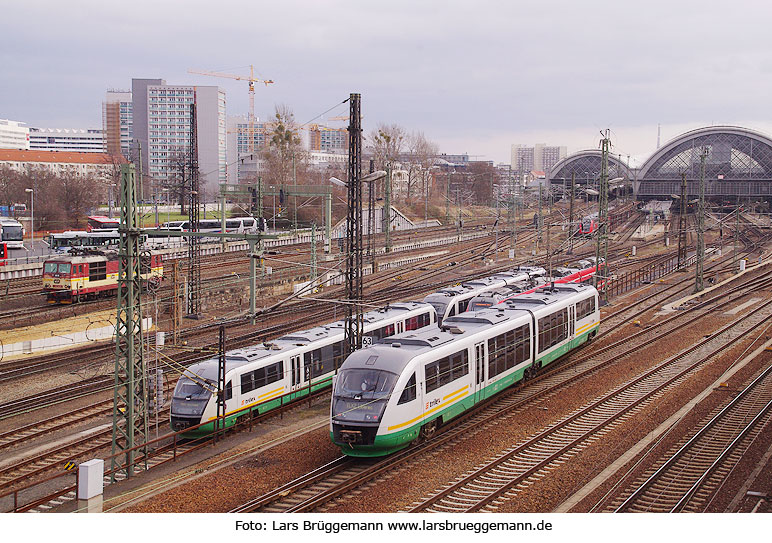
(406,386)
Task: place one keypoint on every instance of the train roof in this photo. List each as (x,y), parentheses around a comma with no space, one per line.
(395,352)
(83,259)
(548,295)
(240,357)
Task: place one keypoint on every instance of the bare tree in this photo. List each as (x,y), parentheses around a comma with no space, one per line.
(386,143)
(284,147)
(418,160)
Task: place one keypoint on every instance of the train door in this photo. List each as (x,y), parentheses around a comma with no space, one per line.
(571,321)
(400,326)
(479,373)
(296,375)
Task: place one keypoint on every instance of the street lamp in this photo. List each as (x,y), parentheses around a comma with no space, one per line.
(32,217)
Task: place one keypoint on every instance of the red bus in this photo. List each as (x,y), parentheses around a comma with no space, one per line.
(99,222)
(3,253)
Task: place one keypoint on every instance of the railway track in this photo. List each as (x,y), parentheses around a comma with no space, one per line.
(314,497)
(501,479)
(693,472)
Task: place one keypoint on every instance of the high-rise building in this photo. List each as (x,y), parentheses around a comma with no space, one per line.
(322,138)
(540,157)
(242,167)
(13,135)
(81,140)
(162,126)
(117,122)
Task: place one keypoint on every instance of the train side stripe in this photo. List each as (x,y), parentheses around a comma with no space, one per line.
(587,327)
(260,399)
(454,393)
(430,411)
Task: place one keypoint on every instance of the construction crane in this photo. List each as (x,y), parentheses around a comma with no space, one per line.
(251,80)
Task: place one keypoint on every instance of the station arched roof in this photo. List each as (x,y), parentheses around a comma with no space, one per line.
(738,163)
(586,165)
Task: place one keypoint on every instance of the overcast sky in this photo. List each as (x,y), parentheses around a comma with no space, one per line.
(475,77)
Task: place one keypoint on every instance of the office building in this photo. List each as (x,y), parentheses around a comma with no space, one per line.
(79,140)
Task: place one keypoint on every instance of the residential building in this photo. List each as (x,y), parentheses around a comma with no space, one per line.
(117,122)
(238,148)
(13,135)
(162,127)
(81,140)
(540,157)
(322,138)
(100,165)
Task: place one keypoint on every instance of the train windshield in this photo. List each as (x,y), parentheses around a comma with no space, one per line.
(190,397)
(55,267)
(365,384)
(361,394)
(439,307)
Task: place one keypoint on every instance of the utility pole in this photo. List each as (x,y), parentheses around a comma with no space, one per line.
(514,225)
(458,220)
(539,222)
(354,321)
(387,209)
(371,218)
(682,241)
(571,215)
(130,415)
(736,236)
(313,253)
(447,200)
(698,277)
(498,216)
(601,247)
(549,224)
(194,242)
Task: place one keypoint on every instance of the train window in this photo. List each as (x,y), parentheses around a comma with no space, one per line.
(507,350)
(97,271)
(446,370)
(247,382)
(274,372)
(337,353)
(50,267)
(585,308)
(462,305)
(313,360)
(228,390)
(553,329)
(65,268)
(409,394)
(232,224)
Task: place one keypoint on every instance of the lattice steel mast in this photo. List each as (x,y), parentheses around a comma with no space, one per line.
(130,416)
(682,242)
(354,323)
(698,277)
(601,247)
(194,242)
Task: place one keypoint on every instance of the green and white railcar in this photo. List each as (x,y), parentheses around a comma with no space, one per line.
(388,395)
(265,376)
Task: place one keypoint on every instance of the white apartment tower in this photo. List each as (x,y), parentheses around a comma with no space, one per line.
(13,135)
(162,126)
(540,157)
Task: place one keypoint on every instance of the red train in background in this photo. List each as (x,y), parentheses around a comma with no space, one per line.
(77,277)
